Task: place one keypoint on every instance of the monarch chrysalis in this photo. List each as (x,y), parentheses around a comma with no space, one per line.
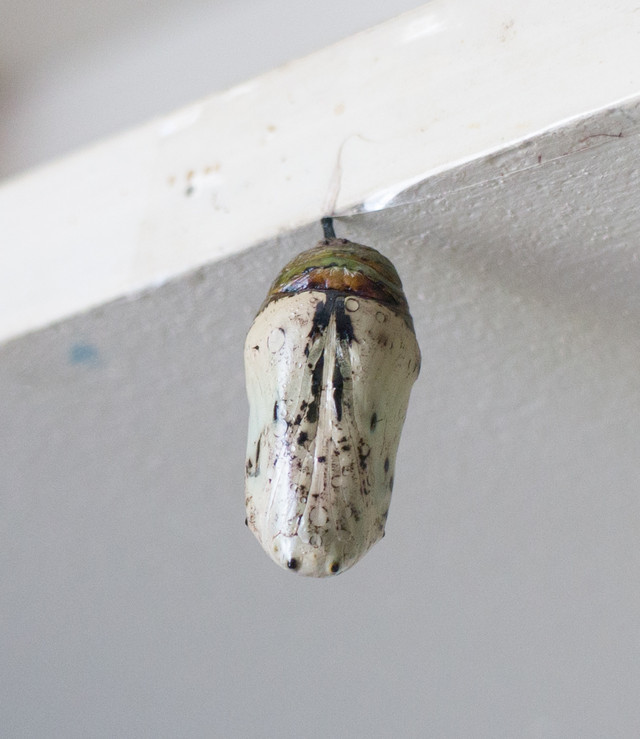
(330,361)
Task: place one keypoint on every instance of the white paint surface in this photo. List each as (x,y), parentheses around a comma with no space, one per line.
(435,86)
(76,71)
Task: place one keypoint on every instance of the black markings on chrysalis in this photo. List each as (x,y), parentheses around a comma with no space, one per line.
(374,422)
(316,389)
(321,319)
(338,389)
(344,326)
(364,450)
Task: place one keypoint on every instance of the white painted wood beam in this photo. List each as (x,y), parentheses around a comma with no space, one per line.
(352,124)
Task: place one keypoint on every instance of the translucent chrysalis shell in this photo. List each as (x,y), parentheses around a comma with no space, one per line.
(330,361)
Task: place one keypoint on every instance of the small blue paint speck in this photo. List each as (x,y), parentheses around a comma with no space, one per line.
(83,353)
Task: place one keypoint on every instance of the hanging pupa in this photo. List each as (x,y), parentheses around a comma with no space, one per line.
(330,360)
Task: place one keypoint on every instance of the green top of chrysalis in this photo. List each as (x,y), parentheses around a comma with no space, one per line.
(341,265)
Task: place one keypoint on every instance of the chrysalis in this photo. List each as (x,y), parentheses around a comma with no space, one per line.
(330,360)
